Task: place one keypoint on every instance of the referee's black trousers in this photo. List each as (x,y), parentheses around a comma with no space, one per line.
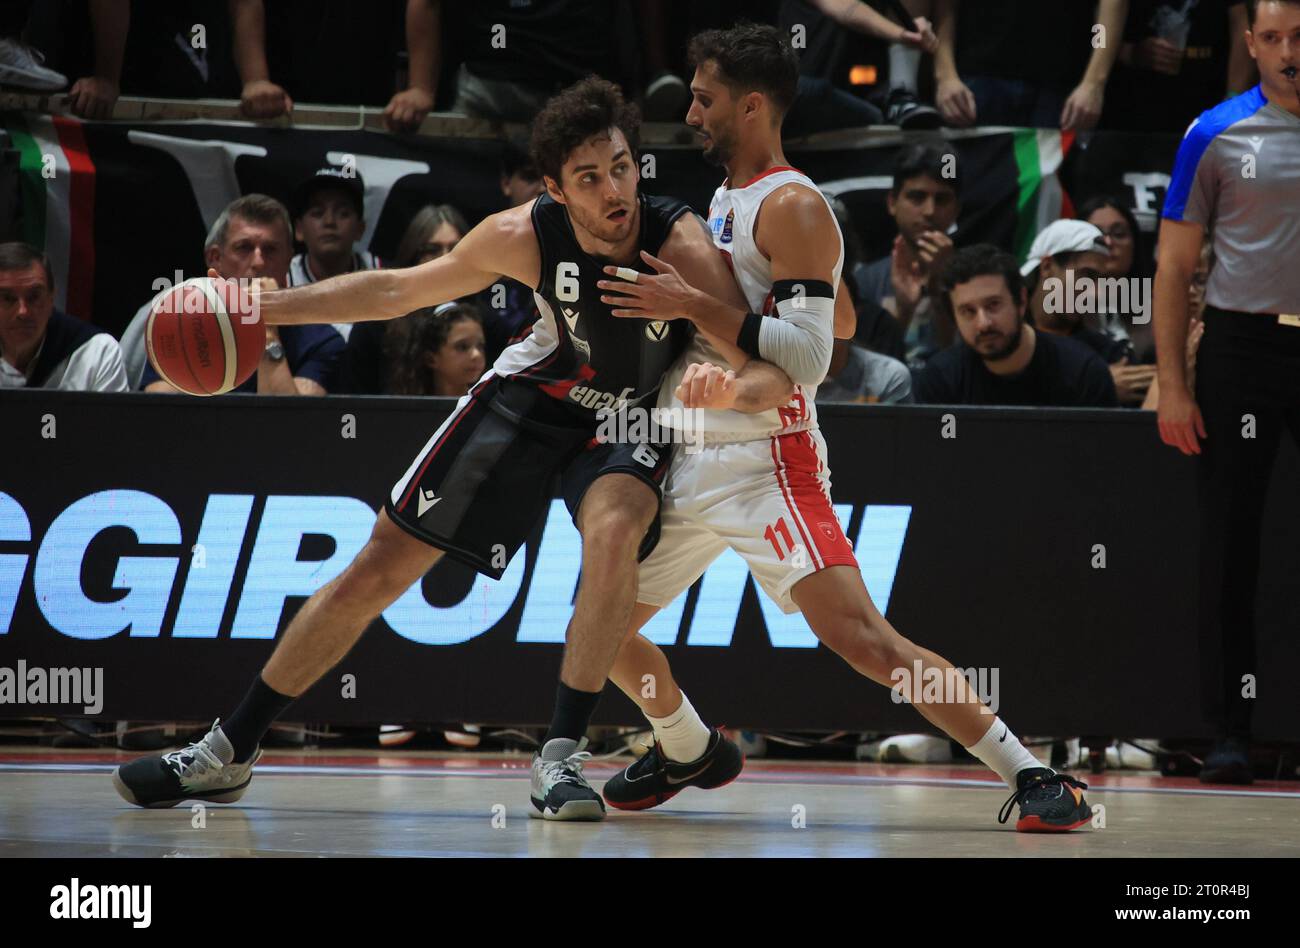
(1248,390)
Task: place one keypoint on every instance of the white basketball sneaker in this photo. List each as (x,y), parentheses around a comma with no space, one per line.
(20,65)
(560,791)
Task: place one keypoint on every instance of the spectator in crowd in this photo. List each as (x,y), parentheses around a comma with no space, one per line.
(433,232)
(860,375)
(337,51)
(821,105)
(1000,360)
(1019,62)
(924,202)
(42,347)
(86,39)
(507,305)
(22,65)
(517,53)
(520,179)
(329,219)
(441,352)
(1115,219)
(1065,256)
(1177,59)
(252,239)
(876,329)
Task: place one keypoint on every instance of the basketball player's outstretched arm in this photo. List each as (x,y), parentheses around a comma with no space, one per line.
(501,245)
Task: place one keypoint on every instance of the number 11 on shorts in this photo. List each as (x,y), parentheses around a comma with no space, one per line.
(770,535)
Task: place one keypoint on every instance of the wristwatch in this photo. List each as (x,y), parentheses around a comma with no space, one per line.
(275,350)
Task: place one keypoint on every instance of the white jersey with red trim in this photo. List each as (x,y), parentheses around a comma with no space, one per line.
(733,215)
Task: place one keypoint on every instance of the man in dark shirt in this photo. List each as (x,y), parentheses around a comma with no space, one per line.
(1000,360)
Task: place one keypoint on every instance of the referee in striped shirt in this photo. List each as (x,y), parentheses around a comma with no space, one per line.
(1238,176)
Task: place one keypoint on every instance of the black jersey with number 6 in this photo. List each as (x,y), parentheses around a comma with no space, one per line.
(579,353)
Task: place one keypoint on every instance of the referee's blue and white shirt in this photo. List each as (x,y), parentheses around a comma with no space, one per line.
(1238,174)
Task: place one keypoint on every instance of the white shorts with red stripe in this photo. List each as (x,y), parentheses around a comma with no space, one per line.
(768,500)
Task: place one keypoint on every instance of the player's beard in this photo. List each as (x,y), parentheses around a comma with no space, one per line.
(719,149)
(1003,352)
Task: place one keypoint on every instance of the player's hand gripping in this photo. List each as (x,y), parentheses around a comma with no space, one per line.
(659,295)
(705,385)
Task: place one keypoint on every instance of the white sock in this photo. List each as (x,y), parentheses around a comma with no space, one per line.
(1002,752)
(682,735)
(904,63)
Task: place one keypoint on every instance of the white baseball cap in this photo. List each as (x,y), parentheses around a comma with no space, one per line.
(1065,236)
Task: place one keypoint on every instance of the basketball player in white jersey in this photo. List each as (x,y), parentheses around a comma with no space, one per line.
(761,485)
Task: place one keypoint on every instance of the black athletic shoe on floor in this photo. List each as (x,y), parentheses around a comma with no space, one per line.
(1229,762)
(202,771)
(654,779)
(1049,802)
(905,110)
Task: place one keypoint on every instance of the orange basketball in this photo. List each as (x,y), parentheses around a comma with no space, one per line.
(205,337)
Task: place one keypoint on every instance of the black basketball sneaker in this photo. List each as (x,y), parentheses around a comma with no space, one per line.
(202,771)
(654,779)
(1049,802)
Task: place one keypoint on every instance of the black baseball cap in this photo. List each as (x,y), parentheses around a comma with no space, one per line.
(335,178)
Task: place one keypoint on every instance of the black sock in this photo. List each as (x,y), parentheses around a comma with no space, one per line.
(573,710)
(254,716)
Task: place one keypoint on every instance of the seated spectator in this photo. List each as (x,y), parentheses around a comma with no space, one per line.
(21,65)
(329,218)
(550,46)
(1000,360)
(1064,255)
(509,312)
(822,104)
(439,351)
(252,239)
(86,39)
(876,329)
(1025,62)
(1116,220)
(1177,59)
(860,375)
(434,231)
(924,202)
(42,347)
(337,52)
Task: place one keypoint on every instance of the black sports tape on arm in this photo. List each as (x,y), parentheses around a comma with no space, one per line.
(783,290)
(747,339)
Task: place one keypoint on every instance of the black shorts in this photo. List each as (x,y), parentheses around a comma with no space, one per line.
(479,485)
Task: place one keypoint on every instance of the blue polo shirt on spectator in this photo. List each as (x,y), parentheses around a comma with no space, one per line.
(313,352)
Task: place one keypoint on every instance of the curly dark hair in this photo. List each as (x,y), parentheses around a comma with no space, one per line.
(586,108)
(977,261)
(751,57)
(407,339)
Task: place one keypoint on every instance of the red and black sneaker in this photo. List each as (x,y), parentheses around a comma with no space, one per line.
(1049,802)
(654,779)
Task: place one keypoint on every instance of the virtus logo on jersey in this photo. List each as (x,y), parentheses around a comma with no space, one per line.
(122,562)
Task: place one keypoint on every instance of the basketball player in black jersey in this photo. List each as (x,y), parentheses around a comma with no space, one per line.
(478,487)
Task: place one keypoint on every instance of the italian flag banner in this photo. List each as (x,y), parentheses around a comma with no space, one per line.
(58,198)
(1041,199)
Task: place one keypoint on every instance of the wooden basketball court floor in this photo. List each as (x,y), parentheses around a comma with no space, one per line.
(62,803)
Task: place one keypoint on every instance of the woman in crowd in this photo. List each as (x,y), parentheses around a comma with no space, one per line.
(433,232)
